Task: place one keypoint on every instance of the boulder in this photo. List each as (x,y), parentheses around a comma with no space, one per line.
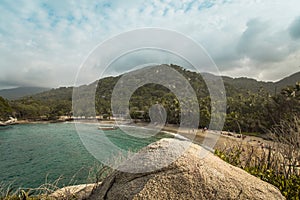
(78,192)
(188,177)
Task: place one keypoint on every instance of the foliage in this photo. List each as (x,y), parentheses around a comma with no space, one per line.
(277,163)
(5,109)
(96,175)
(34,109)
(251,107)
(289,187)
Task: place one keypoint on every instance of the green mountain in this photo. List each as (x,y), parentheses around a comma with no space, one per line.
(62,93)
(249,84)
(105,86)
(16,93)
(252,105)
(288,81)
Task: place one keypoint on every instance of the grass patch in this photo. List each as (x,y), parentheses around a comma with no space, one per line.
(96,175)
(252,134)
(277,163)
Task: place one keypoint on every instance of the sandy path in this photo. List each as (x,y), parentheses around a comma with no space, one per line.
(198,136)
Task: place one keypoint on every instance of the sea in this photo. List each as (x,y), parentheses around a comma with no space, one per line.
(35,154)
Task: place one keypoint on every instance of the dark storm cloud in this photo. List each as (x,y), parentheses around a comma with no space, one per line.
(294,28)
(260,43)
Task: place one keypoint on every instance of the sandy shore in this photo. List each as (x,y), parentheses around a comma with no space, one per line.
(223,140)
(196,135)
(26,121)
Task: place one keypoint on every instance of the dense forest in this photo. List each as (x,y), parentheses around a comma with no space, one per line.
(252,106)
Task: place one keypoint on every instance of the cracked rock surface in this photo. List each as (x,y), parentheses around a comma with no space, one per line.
(189,176)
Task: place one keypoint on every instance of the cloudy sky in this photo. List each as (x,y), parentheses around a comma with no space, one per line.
(43,43)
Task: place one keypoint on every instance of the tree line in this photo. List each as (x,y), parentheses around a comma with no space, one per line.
(247,111)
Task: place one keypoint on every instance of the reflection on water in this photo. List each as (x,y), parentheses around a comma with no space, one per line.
(32,152)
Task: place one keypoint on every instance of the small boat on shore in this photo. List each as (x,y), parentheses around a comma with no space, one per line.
(107,128)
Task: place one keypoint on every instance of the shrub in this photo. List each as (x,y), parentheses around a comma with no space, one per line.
(278,163)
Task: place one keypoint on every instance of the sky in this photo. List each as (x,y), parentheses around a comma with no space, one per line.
(43,43)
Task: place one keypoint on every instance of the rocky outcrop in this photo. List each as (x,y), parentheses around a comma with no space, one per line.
(78,192)
(11,121)
(188,177)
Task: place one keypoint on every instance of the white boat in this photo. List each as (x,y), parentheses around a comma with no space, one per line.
(107,128)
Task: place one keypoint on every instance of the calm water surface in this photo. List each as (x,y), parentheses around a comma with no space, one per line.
(30,153)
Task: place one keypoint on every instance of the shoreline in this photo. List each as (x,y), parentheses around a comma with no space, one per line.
(197,136)
(170,129)
(27,121)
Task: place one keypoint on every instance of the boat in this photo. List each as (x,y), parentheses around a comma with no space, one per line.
(108,128)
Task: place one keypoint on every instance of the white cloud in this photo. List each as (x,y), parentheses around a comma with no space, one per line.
(50,39)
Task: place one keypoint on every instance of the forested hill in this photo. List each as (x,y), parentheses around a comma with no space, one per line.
(16,93)
(253,85)
(288,81)
(242,84)
(252,106)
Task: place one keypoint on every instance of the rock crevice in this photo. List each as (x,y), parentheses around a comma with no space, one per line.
(188,177)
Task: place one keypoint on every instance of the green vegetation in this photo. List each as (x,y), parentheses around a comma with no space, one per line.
(252,106)
(5,108)
(96,175)
(289,186)
(277,163)
(44,106)
(16,93)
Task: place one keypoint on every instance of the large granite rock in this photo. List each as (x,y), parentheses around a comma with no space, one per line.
(78,192)
(188,177)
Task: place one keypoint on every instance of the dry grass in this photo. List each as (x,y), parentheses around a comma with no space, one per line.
(51,190)
(277,162)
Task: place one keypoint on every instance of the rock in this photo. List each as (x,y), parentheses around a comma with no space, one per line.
(188,177)
(73,192)
(2,124)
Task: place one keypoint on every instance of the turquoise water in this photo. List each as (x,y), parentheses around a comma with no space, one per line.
(33,152)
